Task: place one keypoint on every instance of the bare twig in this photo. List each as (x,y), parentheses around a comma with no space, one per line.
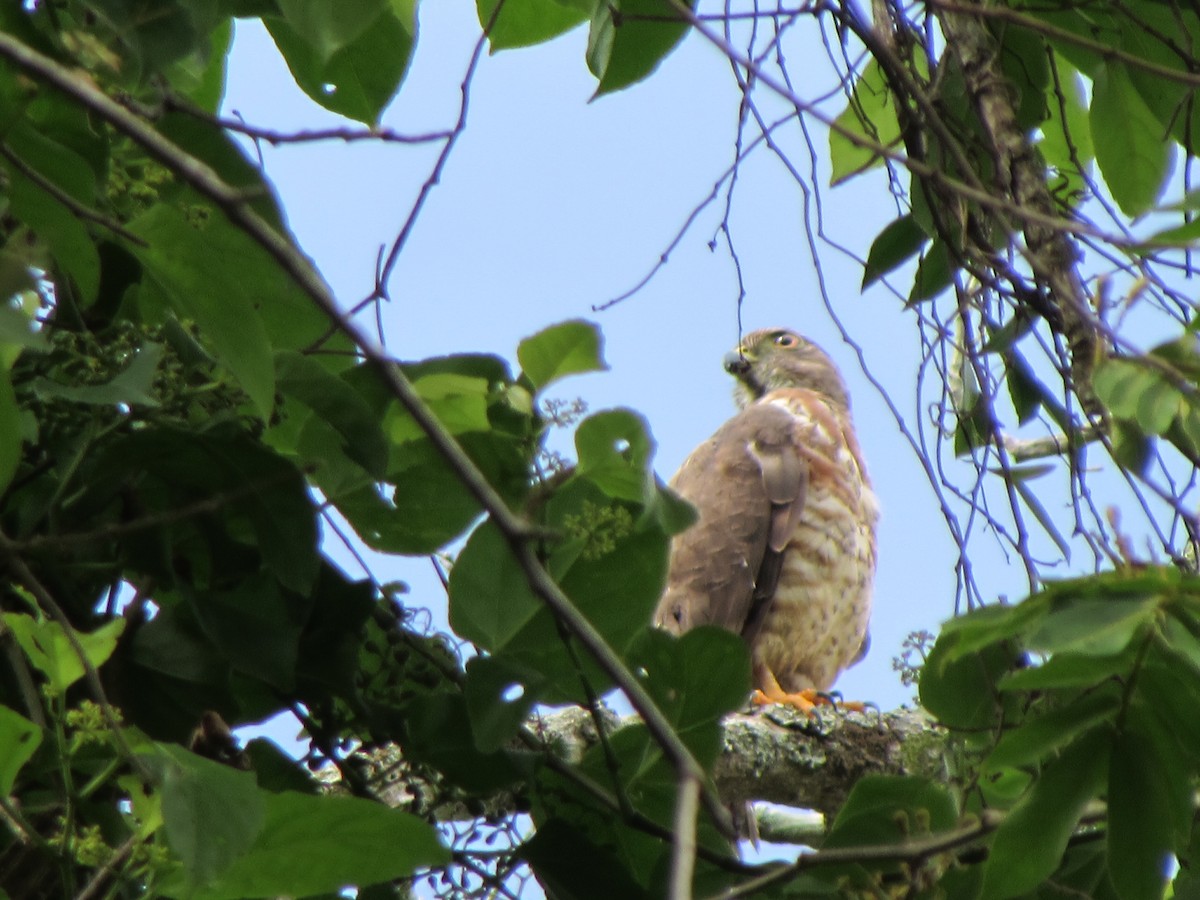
(683,849)
(80,210)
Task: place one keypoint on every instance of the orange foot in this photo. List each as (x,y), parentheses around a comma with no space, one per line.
(769,691)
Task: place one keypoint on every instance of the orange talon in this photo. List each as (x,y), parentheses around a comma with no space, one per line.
(806,701)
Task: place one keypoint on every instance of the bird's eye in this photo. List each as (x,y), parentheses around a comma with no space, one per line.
(786,340)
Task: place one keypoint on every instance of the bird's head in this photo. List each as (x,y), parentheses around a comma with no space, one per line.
(776,358)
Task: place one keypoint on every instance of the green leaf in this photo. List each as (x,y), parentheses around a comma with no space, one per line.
(522,23)
(695,680)
(223,300)
(438,731)
(962,692)
(614,449)
(338,403)
(870,115)
(1130,147)
(1121,385)
(1025,391)
(500,694)
(460,403)
(1139,824)
(573,867)
(328,27)
(490,598)
(935,272)
(292,853)
(1027,71)
(1067,670)
(569,348)
(15,326)
(900,240)
(19,740)
(133,386)
(256,628)
(211,812)
(1030,842)
(885,809)
(1158,407)
(51,653)
(629,39)
(51,220)
(360,79)
(1094,626)
(10,432)
(1038,736)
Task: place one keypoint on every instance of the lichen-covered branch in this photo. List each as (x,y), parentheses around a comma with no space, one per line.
(775,755)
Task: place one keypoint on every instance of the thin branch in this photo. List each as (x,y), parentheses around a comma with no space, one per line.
(683,849)
(913,852)
(79,209)
(274,137)
(25,576)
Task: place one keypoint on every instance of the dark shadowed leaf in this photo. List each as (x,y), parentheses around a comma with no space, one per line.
(212,813)
(900,240)
(962,692)
(574,868)
(500,693)
(490,598)
(337,403)
(1030,843)
(1038,736)
(885,809)
(293,853)
(1139,820)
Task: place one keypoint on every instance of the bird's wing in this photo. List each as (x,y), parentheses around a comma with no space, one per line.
(748,483)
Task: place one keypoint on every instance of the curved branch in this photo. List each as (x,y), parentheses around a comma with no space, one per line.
(517,532)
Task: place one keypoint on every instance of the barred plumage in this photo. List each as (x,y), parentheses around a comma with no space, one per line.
(784,549)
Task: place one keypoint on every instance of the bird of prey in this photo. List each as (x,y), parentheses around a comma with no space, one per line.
(783,552)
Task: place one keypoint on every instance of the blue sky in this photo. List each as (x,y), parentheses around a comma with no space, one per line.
(551,204)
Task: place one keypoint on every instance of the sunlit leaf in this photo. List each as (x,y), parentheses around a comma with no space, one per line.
(1130,150)
(629,39)
(19,740)
(521,23)
(52,653)
(870,118)
(560,350)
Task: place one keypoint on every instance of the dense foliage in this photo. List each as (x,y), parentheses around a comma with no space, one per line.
(184,407)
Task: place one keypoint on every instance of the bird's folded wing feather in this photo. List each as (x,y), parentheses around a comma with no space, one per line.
(748,484)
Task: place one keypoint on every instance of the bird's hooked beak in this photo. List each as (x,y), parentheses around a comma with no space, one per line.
(736,363)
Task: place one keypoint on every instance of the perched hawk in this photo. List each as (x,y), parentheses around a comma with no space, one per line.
(784,549)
